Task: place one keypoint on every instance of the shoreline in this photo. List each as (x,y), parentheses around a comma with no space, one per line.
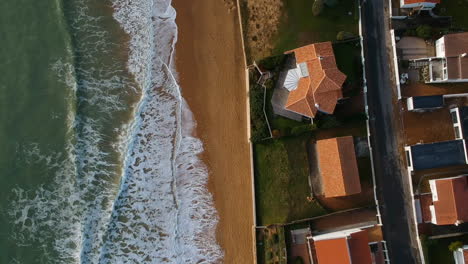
(210,62)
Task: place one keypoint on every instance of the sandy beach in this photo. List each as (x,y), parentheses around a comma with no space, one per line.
(210,63)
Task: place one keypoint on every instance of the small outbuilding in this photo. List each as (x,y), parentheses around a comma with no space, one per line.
(337,166)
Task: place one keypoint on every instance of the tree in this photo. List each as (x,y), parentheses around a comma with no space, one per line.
(344,35)
(317,7)
(455,245)
(424,31)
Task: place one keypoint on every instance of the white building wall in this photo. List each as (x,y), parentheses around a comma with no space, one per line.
(440,47)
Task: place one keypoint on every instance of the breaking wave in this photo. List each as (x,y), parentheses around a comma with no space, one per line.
(128,186)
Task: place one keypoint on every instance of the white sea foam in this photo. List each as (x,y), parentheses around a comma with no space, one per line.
(139,196)
(164,213)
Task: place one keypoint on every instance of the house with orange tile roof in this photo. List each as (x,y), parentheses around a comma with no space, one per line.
(312,84)
(419,4)
(337,164)
(344,247)
(450,63)
(449,196)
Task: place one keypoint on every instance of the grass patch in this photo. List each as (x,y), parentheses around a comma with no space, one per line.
(300,27)
(457,10)
(282,181)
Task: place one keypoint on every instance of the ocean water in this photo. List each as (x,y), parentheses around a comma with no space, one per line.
(97,160)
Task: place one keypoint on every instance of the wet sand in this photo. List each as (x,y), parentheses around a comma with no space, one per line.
(210,63)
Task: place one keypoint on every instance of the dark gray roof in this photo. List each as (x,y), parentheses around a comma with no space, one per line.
(438,155)
(464,121)
(428,101)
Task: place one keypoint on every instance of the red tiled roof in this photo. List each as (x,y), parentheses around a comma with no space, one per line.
(407,2)
(332,251)
(465,255)
(456,45)
(354,249)
(359,248)
(451,206)
(425,200)
(323,87)
(338,167)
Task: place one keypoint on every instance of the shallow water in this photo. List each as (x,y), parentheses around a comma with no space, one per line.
(98,164)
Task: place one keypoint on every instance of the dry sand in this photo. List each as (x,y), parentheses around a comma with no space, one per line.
(210,63)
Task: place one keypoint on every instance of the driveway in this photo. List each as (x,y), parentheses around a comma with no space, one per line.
(392,179)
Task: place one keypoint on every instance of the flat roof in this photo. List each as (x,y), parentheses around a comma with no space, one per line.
(428,101)
(438,155)
(464,120)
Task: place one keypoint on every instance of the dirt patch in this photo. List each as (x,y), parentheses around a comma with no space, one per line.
(260,21)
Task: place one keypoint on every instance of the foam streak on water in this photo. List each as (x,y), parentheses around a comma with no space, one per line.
(131,192)
(163,209)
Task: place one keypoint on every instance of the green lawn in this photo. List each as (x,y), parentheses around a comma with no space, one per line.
(437,249)
(300,27)
(457,10)
(281,181)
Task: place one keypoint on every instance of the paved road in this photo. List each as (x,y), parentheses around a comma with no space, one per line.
(392,180)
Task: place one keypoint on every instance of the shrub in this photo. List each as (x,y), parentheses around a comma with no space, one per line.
(296,131)
(317,7)
(424,31)
(331,3)
(455,245)
(259,128)
(329,121)
(344,35)
(276,133)
(298,260)
(272,63)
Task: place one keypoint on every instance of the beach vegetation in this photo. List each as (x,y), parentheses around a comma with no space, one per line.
(282,181)
(299,130)
(348,59)
(344,35)
(454,246)
(271,245)
(299,27)
(455,9)
(424,31)
(258,124)
(439,251)
(272,63)
(298,260)
(331,3)
(317,7)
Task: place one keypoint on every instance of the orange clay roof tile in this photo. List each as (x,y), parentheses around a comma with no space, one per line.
(332,251)
(324,77)
(338,167)
(345,250)
(451,205)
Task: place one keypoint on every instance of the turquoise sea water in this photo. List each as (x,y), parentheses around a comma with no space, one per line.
(97,162)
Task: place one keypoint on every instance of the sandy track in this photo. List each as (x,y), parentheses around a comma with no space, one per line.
(209,59)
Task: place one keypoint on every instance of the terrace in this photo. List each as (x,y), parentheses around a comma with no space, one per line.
(435,125)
